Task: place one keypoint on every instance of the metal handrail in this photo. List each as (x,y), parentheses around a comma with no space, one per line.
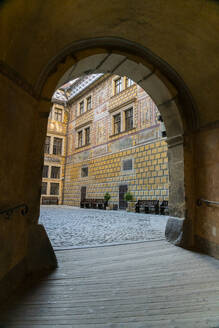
(9,211)
(208,202)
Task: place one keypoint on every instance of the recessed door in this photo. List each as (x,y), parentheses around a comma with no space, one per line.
(122,203)
(83,193)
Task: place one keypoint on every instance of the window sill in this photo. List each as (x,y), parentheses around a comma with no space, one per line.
(87,111)
(82,146)
(122,91)
(122,132)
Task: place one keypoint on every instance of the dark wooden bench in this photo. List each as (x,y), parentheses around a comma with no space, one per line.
(50,200)
(93,203)
(164,209)
(148,206)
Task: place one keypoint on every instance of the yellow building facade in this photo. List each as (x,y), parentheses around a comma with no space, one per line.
(54,156)
(115,142)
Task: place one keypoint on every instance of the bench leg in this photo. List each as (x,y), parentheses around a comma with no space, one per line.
(146,209)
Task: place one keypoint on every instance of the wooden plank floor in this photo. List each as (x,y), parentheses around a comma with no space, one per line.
(151,284)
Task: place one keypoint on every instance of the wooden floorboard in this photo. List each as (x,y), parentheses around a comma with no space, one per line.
(142,285)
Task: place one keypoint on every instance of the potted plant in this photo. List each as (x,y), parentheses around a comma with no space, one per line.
(129,198)
(106,198)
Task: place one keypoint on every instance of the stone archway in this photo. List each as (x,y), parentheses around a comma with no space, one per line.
(174,102)
(117,56)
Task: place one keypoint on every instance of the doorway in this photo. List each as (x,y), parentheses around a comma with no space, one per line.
(83,193)
(122,203)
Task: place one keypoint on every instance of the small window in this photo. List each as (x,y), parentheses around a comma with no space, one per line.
(87,136)
(57,146)
(129,82)
(50,114)
(45,171)
(54,188)
(58,114)
(129,119)
(127,165)
(81,106)
(84,172)
(164,134)
(117,123)
(44,188)
(89,104)
(55,172)
(80,138)
(117,86)
(47,145)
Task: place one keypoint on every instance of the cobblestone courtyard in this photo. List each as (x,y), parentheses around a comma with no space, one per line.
(74,227)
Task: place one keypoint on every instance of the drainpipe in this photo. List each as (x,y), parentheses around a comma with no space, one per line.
(66,149)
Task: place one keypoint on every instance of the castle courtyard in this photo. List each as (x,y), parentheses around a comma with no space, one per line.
(69,226)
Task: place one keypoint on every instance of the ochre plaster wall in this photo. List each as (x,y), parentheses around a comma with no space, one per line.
(22,144)
(184,34)
(149,178)
(55,129)
(207,216)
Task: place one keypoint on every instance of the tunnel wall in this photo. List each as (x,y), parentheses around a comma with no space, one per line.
(183,34)
(20,184)
(207,216)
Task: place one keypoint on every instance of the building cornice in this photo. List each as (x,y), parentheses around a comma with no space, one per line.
(83,124)
(124,104)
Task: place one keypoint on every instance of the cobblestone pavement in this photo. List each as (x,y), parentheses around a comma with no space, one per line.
(75,227)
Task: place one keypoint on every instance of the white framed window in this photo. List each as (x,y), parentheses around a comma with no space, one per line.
(127,164)
(117,123)
(54,188)
(128,82)
(44,188)
(57,146)
(47,145)
(45,171)
(55,172)
(81,107)
(89,103)
(84,171)
(57,114)
(80,138)
(128,119)
(117,86)
(87,135)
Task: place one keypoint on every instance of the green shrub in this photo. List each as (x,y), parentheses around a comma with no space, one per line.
(128,196)
(107,196)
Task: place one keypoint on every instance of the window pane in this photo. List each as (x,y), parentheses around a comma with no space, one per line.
(81,107)
(87,136)
(117,123)
(129,119)
(44,188)
(54,188)
(80,139)
(89,103)
(45,171)
(127,164)
(118,85)
(84,172)
(47,145)
(57,146)
(129,82)
(58,114)
(55,172)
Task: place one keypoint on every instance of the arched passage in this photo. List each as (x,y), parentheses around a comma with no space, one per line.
(117,56)
(173,101)
(185,36)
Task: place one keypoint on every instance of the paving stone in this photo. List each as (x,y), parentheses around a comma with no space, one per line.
(69,226)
